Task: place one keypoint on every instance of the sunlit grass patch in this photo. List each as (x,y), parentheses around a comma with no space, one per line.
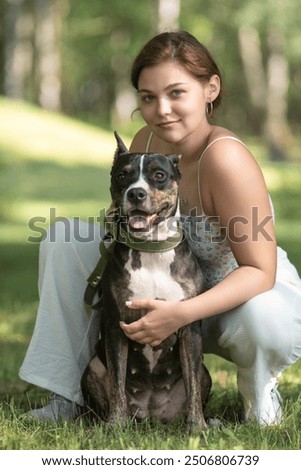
(28,131)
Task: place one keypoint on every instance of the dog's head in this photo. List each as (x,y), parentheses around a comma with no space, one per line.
(144,188)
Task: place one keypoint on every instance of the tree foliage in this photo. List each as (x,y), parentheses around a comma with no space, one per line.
(86,66)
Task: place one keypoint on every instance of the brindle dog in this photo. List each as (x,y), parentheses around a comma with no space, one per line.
(149,258)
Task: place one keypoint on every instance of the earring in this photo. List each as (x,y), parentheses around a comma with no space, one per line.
(209,109)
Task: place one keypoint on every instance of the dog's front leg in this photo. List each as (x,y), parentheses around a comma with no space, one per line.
(116,353)
(192,369)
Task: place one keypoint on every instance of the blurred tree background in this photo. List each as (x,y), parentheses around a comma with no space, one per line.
(64,86)
(74,57)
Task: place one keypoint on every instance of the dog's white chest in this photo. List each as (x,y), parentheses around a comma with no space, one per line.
(153,279)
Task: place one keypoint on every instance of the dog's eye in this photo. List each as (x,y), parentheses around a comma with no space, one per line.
(160,176)
(121,176)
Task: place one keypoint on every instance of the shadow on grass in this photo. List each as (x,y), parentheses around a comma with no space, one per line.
(19,267)
(18,303)
(50,181)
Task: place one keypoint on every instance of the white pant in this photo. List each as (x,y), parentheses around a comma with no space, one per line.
(262,336)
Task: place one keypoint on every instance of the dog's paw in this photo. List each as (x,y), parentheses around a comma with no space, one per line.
(196,427)
(117,420)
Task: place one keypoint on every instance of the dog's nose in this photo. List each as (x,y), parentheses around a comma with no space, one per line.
(136,195)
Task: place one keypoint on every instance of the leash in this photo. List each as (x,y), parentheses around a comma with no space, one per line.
(117,233)
(95,277)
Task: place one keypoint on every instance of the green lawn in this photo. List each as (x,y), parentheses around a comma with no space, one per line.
(49,161)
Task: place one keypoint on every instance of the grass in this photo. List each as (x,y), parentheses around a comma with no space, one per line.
(49,161)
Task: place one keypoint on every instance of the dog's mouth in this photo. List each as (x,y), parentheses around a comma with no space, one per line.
(141,221)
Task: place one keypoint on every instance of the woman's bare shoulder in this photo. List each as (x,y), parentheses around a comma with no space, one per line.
(227,162)
(144,137)
(140,139)
(225,149)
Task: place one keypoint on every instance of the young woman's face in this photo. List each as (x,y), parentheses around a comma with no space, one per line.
(172,102)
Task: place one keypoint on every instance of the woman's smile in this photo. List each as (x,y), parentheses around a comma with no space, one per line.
(167,124)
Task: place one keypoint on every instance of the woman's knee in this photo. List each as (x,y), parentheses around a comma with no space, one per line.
(267,315)
(71,231)
(57,239)
(263,323)
(71,238)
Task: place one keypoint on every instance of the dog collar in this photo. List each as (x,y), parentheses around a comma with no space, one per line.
(151,246)
(120,235)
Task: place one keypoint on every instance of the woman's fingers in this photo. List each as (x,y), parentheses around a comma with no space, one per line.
(135,333)
(132,328)
(153,327)
(143,304)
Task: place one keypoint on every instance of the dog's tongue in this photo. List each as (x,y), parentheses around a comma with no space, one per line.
(139,222)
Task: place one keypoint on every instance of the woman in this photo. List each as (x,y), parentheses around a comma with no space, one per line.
(251,311)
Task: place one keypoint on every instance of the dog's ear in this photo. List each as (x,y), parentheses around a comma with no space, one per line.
(121,148)
(175,160)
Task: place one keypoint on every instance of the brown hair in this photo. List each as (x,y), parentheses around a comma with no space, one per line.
(182,47)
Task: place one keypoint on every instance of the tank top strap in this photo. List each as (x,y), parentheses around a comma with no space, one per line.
(225,137)
(228,137)
(149,141)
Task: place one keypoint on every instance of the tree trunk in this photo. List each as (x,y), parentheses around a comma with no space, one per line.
(250,52)
(48,62)
(268,91)
(18,52)
(277,127)
(168,15)
(125,97)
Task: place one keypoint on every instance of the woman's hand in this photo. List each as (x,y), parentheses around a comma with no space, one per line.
(162,319)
